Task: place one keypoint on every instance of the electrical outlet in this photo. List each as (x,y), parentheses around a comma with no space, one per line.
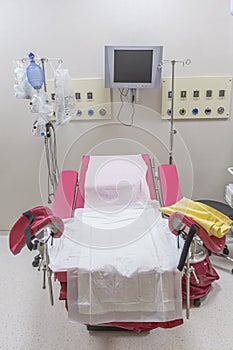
(93,100)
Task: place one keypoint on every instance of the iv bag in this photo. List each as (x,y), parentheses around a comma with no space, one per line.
(65,102)
(39,127)
(40,104)
(22,89)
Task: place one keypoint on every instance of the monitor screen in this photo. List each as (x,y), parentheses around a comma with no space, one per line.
(133,67)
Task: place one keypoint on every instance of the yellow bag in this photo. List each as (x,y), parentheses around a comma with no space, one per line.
(214,222)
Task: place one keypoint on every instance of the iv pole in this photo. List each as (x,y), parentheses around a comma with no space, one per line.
(50,148)
(50,145)
(50,137)
(172,130)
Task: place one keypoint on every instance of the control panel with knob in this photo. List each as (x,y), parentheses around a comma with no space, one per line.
(92,99)
(197,98)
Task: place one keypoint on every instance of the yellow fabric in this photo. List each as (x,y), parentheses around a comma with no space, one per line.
(215,223)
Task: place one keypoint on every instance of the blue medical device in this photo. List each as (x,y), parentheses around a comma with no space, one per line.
(35,73)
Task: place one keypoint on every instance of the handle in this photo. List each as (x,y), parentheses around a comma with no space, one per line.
(230,170)
(193,229)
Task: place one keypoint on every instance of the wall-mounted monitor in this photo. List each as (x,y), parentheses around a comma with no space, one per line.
(133,66)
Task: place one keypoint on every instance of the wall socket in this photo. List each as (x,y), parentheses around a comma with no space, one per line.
(197,98)
(93,100)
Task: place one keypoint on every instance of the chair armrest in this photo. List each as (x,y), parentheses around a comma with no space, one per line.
(63,204)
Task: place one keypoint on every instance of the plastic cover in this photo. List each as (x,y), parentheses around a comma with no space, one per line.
(86,301)
(120,255)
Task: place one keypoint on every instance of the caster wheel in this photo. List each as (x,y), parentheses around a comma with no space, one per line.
(232,271)
(197,302)
(226,251)
(35,263)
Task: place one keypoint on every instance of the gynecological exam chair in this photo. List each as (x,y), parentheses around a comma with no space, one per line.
(119,286)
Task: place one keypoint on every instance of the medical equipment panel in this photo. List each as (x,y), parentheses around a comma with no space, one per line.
(197,98)
(92,99)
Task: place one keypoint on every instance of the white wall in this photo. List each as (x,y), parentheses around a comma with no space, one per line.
(76,31)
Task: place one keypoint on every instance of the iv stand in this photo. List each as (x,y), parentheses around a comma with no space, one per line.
(172,130)
(53,171)
(50,145)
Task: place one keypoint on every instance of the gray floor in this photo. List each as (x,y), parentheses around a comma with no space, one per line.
(28,322)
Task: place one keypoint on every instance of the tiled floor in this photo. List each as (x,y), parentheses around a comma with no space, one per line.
(28,322)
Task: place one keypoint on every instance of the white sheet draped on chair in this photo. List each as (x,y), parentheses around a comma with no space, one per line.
(119,252)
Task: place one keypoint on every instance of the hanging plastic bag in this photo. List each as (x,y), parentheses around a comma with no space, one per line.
(39,127)
(40,104)
(65,101)
(22,89)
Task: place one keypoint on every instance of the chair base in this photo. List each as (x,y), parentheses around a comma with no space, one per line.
(108,328)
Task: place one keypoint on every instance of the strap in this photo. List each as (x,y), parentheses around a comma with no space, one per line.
(28,214)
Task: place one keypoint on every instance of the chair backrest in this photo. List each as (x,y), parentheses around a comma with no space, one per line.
(169,184)
(85,161)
